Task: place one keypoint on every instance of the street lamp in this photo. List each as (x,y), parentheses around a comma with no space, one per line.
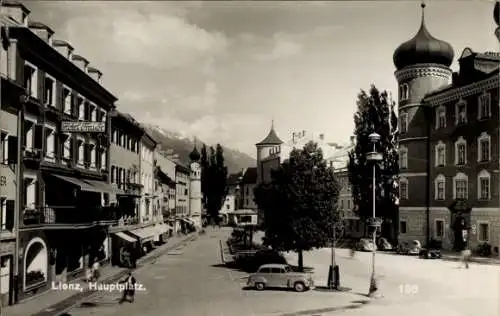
(374,157)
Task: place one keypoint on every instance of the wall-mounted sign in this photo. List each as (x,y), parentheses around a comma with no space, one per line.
(83,127)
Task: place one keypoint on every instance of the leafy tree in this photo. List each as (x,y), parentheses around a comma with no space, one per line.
(300,202)
(375,113)
(204,164)
(216,182)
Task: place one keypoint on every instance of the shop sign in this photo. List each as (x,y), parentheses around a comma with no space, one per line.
(83,127)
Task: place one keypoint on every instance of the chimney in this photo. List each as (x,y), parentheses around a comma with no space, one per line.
(94,73)
(16,11)
(64,48)
(80,61)
(42,31)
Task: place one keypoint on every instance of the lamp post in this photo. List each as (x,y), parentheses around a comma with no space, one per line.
(374,157)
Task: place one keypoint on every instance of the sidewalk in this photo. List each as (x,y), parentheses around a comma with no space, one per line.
(475,259)
(57,301)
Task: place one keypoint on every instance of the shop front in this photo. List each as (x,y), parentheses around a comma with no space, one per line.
(123,244)
(145,237)
(6,272)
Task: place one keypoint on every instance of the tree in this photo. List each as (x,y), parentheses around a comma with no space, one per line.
(216,182)
(375,113)
(204,164)
(300,202)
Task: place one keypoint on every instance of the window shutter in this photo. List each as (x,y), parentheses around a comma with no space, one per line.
(39,136)
(12,149)
(9,220)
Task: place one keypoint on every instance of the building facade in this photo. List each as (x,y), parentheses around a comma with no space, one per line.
(63,173)
(247,187)
(147,150)
(449,153)
(167,166)
(182,176)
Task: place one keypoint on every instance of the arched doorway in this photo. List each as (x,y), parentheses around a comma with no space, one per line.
(35,263)
(460,224)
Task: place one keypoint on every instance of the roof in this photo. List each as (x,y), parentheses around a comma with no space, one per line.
(250,176)
(271,139)
(233,178)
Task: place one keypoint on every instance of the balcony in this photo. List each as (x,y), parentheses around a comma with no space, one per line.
(68,217)
(133,189)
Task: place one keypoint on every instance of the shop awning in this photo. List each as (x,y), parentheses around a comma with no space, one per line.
(125,237)
(103,186)
(163,228)
(145,234)
(84,186)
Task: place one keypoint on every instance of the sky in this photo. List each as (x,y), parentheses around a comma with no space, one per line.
(223,70)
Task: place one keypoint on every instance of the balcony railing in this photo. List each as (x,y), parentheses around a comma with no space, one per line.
(125,221)
(48,216)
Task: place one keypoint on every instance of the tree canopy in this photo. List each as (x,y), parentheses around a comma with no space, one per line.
(375,113)
(300,202)
(213,180)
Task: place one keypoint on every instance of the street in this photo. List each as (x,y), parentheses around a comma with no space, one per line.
(189,282)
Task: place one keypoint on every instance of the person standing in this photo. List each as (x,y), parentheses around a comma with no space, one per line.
(129,291)
(95,270)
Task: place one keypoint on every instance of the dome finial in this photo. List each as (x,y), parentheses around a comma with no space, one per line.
(422,5)
(272,123)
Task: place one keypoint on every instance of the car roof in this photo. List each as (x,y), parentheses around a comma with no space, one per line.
(273,265)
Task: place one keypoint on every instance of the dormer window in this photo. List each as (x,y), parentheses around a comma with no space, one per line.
(461,112)
(440,117)
(484,103)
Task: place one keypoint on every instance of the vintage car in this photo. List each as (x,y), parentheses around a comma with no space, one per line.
(430,254)
(366,244)
(409,247)
(280,276)
(383,244)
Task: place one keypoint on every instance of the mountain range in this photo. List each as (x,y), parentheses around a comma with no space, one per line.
(182,146)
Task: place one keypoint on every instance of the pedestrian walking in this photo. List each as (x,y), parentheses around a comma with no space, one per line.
(129,290)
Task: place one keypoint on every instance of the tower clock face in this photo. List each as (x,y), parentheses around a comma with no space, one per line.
(195,166)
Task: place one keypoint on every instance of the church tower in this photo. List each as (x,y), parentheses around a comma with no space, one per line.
(195,196)
(422,66)
(269,147)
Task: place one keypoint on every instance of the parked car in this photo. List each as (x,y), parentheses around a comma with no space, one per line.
(430,254)
(280,276)
(366,244)
(409,247)
(384,244)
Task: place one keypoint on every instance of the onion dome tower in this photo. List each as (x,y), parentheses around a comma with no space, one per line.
(195,195)
(269,146)
(422,66)
(194,155)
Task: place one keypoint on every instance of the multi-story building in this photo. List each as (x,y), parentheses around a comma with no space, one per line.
(167,166)
(63,168)
(248,184)
(11,90)
(449,143)
(182,174)
(233,197)
(148,145)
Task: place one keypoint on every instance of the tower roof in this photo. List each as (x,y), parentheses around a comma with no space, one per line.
(271,138)
(496,13)
(194,155)
(423,48)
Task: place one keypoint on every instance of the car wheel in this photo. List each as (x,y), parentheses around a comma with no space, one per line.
(299,287)
(259,286)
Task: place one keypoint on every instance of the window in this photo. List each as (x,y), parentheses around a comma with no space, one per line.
(460,151)
(460,186)
(484,102)
(440,154)
(440,117)
(4,148)
(103,160)
(483,182)
(484,147)
(29,193)
(402,227)
(66,144)
(4,61)
(31,80)
(28,135)
(81,108)
(440,185)
(403,157)
(93,155)
(81,152)
(50,92)
(404,91)
(403,122)
(439,228)
(185,191)
(403,188)
(341,204)
(348,204)
(50,140)
(7,209)
(67,100)
(461,112)
(484,232)
(113,177)
(103,117)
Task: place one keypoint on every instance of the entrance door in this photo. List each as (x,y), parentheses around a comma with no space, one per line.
(5,274)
